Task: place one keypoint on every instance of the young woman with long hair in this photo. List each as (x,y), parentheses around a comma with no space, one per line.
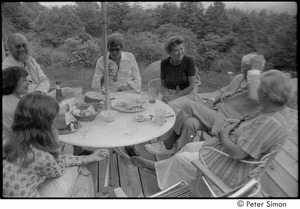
(33,165)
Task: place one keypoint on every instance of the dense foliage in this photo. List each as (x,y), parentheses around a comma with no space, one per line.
(217,37)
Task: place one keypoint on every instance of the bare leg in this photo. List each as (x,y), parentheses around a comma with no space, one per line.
(142,162)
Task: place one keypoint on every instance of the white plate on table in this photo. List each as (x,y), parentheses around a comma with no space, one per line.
(131,106)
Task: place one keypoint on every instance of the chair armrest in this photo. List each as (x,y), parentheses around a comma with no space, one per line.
(207,174)
(165,192)
(197,80)
(247,188)
(152,80)
(119,192)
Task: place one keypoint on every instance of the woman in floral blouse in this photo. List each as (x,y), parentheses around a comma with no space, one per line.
(33,165)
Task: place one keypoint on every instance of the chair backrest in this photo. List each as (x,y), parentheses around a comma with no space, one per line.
(156,83)
(214,184)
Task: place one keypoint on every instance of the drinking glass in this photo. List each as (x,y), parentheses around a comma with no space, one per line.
(152,94)
(78,94)
(160,116)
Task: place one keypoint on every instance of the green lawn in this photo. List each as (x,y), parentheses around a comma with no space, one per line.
(80,76)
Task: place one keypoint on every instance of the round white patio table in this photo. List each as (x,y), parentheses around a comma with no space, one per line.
(124,131)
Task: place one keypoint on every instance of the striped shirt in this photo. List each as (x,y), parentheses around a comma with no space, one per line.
(255,136)
(234,102)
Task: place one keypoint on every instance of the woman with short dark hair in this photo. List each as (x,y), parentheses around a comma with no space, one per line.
(14,86)
(177,74)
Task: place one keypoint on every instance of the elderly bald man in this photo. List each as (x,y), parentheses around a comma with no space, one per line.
(232,101)
(20,56)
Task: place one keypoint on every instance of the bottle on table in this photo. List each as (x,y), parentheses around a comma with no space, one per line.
(59,97)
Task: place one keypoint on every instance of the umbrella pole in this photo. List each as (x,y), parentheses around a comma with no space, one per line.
(105,57)
(3,51)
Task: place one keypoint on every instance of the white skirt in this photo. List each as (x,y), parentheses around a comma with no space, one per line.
(178,167)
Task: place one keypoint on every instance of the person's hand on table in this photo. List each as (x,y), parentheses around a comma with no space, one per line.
(97,155)
(166,99)
(124,88)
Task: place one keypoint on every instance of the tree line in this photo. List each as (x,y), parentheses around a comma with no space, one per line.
(217,37)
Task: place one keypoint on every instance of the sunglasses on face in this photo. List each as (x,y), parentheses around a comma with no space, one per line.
(114,49)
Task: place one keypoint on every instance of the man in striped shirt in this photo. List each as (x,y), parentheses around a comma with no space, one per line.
(246,139)
(232,101)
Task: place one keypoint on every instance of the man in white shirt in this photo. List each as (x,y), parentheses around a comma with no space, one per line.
(37,80)
(124,74)
(19,56)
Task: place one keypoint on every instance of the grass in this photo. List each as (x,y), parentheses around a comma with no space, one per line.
(80,76)
(212,81)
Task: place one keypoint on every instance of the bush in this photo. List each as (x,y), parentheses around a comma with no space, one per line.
(71,44)
(145,46)
(79,53)
(218,53)
(221,65)
(46,56)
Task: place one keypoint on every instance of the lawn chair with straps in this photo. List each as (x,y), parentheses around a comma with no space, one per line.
(208,184)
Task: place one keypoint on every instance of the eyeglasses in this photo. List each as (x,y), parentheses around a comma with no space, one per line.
(114,49)
(20,45)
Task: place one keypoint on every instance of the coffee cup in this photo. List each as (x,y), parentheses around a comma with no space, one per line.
(253,80)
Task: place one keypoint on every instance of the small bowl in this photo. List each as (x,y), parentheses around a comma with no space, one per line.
(85,118)
(108,115)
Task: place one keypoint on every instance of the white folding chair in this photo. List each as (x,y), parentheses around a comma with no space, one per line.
(208,184)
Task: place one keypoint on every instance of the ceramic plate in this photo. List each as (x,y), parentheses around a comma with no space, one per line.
(131,107)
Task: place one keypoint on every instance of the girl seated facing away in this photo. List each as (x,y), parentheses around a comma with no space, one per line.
(33,165)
